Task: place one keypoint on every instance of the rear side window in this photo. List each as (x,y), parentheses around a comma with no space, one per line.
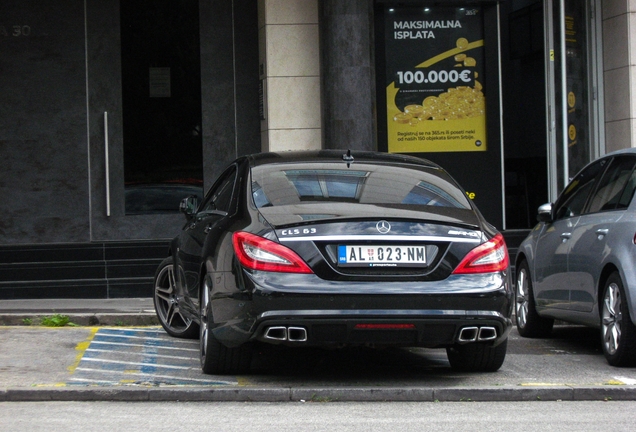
(220,196)
(612,192)
(628,192)
(575,196)
(295,183)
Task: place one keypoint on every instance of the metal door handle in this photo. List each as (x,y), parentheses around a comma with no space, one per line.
(602,232)
(106,163)
(566,236)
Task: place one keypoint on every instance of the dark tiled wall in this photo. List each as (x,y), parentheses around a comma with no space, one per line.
(229,82)
(89,270)
(43,146)
(59,72)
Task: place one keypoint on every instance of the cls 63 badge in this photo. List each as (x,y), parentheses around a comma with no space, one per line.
(298,231)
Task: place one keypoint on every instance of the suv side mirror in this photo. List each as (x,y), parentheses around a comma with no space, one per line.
(544,213)
(189,205)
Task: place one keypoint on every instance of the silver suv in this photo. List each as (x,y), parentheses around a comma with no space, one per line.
(579,263)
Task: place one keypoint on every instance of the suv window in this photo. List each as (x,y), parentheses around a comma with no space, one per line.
(628,192)
(220,196)
(573,199)
(609,193)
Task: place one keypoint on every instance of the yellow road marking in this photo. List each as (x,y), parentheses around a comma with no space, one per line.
(81,348)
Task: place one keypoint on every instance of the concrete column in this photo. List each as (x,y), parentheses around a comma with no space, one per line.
(348,74)
(619,73)
(289,55)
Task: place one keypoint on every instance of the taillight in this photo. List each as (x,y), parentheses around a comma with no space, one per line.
(258,253)
(488,257)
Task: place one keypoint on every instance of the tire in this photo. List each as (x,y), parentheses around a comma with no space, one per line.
(618,333)
(216,358)
(166,306)
(477,357)
(529,323)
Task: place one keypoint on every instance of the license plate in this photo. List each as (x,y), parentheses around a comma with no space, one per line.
(381,256)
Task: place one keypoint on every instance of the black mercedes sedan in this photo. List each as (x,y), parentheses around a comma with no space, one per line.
(331,249)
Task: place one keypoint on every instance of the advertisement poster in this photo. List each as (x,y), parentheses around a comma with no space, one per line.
(434,90)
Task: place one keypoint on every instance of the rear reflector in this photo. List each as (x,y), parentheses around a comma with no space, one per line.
(384,326)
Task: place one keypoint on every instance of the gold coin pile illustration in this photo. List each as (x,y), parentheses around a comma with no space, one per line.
(456,103)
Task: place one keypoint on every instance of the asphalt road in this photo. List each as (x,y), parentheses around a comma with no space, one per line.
(298,416)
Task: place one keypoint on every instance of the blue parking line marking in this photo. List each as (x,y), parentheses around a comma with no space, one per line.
(96,350)
(121,344)
(154,365)
(134,356)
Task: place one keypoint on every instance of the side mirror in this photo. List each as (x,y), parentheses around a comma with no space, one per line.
(189,205)
(544,213)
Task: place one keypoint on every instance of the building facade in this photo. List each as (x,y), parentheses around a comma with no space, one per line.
(113,110)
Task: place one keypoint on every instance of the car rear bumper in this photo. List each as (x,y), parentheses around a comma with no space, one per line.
(459,310)
(427,328)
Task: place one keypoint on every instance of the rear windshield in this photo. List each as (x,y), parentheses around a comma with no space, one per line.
(295,183)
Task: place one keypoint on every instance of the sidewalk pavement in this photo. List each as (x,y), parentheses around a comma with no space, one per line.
(83,312)
(140,312)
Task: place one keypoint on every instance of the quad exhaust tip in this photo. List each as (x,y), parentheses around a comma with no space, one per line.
(296,334)
(286,334)
(477,334)
(299,334)
(276,333)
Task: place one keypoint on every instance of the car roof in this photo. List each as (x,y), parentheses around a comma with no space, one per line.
(630,150)
(337,155)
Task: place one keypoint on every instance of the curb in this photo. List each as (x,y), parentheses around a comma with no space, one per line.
(83,319)
(324,394)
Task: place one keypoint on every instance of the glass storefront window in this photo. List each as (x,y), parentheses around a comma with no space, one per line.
(577,85)
(572,88)
(161,92)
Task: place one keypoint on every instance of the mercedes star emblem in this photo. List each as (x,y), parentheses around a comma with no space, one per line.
(383,227)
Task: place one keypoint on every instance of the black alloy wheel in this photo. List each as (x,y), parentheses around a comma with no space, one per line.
(216,358)
(166,306)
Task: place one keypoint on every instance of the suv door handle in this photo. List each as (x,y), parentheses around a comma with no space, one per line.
(601,232)
(565,236)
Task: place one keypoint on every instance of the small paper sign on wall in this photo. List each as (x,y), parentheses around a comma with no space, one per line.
(159,79)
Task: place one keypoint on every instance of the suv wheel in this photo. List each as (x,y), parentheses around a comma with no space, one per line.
(529,323)
(618,333)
